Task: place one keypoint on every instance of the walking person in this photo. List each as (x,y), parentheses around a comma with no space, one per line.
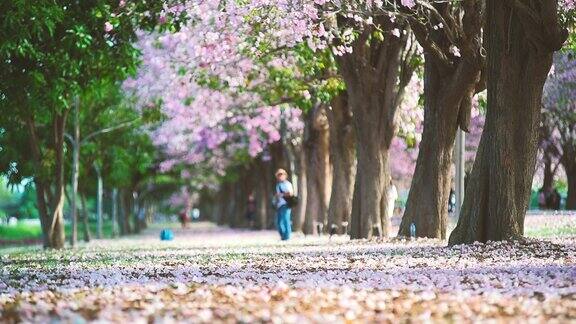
(284,192)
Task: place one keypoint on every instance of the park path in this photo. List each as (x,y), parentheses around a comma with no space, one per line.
(213,274)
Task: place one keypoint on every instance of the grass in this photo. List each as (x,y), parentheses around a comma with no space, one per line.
(549,232)
(20,232)
(25,232)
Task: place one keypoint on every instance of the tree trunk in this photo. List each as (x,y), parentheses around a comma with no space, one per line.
(519,59)
(548,180)
(136,208)
(450,83)
(446,98)
(87,235)
(57,203)
(124,219)
(375,73)
(99,208)
(569,162)
(343,158)
(116,223)
(223,202)
(300,211)
(75,173)
(571,199)
(316,144)
(50,205)
(43,211)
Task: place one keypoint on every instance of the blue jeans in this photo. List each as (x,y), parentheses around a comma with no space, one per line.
(283,222)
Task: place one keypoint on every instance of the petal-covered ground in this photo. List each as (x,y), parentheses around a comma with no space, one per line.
(209,274)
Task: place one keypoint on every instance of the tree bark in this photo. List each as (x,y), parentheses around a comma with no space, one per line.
(375,73)
(50,204)
(124,220)
(116,223)
(450,83)
(86,226)
(316,144)
(99,196)
(569,162)
(548,180)
(75,173)
(300,211)
(519,59)
(446,98)
(43,211)
(343,158)
(261,193)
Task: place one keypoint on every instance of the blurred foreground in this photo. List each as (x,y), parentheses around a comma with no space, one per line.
(213,274)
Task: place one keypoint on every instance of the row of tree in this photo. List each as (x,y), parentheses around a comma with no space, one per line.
(468,46)
(63,116)
(223,74)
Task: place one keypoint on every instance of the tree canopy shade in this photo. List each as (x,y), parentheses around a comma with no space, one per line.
(50,52)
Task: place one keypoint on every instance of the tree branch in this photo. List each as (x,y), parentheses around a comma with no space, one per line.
(109,129)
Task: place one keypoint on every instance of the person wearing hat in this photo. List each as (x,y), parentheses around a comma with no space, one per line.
(283,189)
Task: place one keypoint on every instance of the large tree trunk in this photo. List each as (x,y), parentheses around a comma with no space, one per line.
(569,162)
(375,74)
(50,204)
(316,144)
(57,204)
(447,96)
(343,158)
(450,82)
(519,59)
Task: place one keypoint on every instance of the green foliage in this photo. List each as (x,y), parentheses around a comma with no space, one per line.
(50,53)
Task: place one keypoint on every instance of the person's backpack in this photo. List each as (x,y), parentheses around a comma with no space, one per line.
(291,201)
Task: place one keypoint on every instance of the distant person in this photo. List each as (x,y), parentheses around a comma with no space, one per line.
(284,191)
(183,217)
(452,201)
(251,210)
(555,199)
(542,199)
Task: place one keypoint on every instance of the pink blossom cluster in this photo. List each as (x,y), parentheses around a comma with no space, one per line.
(204,126)
(567,5)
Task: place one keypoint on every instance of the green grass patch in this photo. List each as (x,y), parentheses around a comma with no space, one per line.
(549,232)
(25,232)
(21,232)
